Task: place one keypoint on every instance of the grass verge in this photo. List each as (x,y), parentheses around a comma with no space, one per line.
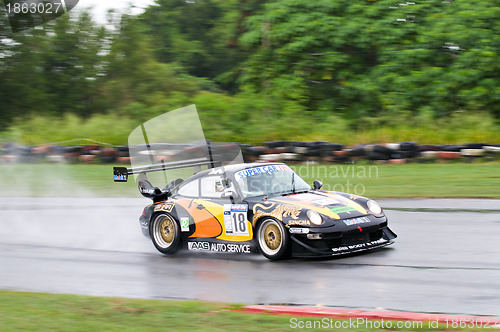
(21,311)
(454,180)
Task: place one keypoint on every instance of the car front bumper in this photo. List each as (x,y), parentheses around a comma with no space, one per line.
(341,243)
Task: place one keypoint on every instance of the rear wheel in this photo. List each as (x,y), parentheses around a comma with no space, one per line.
(165,233)
(273,239)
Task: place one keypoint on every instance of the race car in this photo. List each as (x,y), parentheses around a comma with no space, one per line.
(255,207)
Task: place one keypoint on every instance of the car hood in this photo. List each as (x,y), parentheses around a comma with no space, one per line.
(332,205)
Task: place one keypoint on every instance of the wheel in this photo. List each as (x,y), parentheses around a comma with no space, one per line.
(165,233)
(273,239)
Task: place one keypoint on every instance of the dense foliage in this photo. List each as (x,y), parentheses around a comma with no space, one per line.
(312,69)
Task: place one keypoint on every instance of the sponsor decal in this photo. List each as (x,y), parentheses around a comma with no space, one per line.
(235,219)
(121,178)
(237,248)
(342,209)
(238,208)
(296,230)
(216,171)
(359,246)
(262,169)
(219,247)
(278,211)
(299,223)
(149,191)
(164,207)
(356,221)
(184,224)
(219,187)
(199,246)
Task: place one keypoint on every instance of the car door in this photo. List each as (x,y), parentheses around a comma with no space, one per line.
(233,218)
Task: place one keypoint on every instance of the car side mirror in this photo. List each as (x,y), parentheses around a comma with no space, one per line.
(317,184)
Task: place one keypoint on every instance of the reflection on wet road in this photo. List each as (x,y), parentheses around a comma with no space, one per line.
(441,262)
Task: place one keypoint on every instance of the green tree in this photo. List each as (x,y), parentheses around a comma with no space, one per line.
(134,80)
(452,62)
(201,36)
(376,58)
(73,62)
(51,69)
(22,85)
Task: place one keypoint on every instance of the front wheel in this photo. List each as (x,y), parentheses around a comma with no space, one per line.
(165,233)
(273,239)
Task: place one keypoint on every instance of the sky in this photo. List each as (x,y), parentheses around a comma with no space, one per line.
(102,6)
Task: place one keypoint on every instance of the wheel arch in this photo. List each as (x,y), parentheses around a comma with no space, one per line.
(165,245)
(284,251)
(257,222)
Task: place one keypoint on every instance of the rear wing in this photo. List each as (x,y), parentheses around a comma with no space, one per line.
(121,173)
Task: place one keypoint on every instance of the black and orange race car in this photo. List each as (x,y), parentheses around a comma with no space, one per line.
(257,207)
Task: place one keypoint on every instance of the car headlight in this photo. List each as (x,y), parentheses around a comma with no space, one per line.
(314,217)
(374,207)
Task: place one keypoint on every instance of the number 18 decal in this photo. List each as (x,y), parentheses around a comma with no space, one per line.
(235,219)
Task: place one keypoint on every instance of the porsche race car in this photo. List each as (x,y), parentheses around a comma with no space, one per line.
(258,207)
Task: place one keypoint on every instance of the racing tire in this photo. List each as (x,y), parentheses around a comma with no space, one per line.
(165,233)
(273,240)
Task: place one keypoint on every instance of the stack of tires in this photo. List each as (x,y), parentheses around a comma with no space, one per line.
(395,153)
(56,154)
(473,151)
(275,151)
(123,155)
(108,155)
(89,154)
(72,154)
(492,152)
(428,153)
(40,152)
(12,153)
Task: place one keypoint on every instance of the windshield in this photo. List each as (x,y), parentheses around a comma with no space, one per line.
(268,180)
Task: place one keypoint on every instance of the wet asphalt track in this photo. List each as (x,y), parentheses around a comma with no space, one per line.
(446,262)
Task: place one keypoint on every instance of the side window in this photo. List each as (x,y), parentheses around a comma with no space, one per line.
(190,189)
(212,187)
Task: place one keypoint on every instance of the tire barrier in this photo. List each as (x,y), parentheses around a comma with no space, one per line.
(276,151)
(448,155)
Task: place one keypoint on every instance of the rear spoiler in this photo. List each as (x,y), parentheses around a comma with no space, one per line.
(121,173)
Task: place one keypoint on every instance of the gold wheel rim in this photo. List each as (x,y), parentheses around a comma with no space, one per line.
(272,237)
(167,230)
